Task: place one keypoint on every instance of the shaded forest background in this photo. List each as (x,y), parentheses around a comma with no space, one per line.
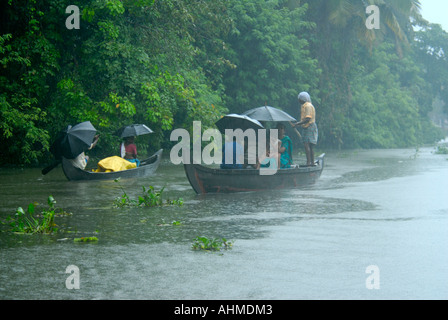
(169,63)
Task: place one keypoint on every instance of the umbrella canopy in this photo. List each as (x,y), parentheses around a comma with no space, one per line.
(133,130)
(73,141)
(269,114)
(236,121)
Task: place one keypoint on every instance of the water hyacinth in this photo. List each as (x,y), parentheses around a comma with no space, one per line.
(28,222)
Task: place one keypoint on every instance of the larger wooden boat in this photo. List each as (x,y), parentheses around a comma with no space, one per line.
(148,167)
(208,180)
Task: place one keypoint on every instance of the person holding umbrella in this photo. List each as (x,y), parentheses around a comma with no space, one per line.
(81,160)
(309,127)
(128,150)
(71,144)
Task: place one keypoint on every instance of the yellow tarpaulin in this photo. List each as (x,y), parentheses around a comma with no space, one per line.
(113,164)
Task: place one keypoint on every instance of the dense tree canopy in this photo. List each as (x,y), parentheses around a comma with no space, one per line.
(169,63)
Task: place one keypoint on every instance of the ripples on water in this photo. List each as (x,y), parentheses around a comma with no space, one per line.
(386,208)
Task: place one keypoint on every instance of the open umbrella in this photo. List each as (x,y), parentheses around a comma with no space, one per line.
(236,121)
(71,142)
(133,130)
(269,114)
(76,140)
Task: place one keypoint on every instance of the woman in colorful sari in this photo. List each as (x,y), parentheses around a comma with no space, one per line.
(285,149)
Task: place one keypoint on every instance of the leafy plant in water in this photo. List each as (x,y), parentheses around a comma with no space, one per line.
(86,239)
(27,222)
(150,198)
(124,200)
(204,243)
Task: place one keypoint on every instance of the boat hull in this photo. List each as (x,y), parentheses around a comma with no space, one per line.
(148,168)
(206,180)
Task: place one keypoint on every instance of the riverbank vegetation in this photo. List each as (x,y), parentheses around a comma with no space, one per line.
(167,63)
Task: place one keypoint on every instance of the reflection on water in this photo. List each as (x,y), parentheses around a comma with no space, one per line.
(385,208)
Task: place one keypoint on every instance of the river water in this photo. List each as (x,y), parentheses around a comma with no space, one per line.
(375,226)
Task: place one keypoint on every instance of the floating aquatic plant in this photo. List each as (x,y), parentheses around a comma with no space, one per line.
(29,222)
(86,239)
(214,244)
(149,198)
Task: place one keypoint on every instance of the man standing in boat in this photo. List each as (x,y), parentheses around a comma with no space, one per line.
(308,125)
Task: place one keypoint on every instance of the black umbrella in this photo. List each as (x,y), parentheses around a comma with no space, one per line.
(133,130)
(71,142)
(77,139)
(236,121)
(269,114)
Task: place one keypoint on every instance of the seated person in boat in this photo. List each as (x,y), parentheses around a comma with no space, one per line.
(285,148)
(81,160)
(271,159)
(232,155)
(250,156)
(128,150)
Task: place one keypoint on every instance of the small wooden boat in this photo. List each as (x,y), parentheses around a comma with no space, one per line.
(208,180)
(146,168)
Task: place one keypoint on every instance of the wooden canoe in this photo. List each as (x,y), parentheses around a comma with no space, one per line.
(208,180)
(146,168)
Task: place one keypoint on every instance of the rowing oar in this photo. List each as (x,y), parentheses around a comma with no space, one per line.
(294,128)
(50,167)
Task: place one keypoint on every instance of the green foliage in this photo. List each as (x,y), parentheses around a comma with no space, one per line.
(29,222)
(169,63)
(85,239)
(153,198)
(23,83)
(271,56)
(29,61)
(163,96)
(378,91)
(431,47)
(149,198)
(204,243)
